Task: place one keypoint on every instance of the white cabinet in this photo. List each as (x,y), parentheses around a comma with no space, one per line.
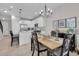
(24,37)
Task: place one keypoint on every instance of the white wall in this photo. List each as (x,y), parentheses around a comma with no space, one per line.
(15,24)
(5,28)
(40,21)
(48,24)
(6,23)
(28,23)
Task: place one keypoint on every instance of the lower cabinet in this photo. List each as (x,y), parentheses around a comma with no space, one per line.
(24,37)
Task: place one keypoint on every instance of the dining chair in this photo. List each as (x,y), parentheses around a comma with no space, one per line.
(53,33)
(63,50)
(36,45)
(72,44)
(14,37)
(32,45)
(1,26)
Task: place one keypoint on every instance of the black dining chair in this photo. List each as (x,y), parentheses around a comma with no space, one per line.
(32,40)
(53,33)
(1,26)
(63,50)
(14,37)
(36,45)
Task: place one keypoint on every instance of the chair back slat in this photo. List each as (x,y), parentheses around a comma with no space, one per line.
(66,44)
(11,33)
(35,40)
(53,33)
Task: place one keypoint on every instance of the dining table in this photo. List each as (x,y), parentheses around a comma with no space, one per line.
(50,42)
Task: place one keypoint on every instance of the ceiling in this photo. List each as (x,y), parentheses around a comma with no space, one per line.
(29,10)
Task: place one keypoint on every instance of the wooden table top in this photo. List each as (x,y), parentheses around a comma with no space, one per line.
(51,44)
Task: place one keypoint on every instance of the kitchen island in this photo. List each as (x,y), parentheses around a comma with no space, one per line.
(24,37)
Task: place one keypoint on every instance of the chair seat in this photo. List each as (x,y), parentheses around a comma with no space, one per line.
(15,36)
(41,47)
(57,52)
(36,45)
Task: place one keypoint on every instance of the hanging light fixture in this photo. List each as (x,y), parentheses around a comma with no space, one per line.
(46,12)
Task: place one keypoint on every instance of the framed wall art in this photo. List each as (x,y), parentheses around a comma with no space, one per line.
(71,22)
(62,23)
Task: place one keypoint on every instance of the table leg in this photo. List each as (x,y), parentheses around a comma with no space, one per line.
(31,45)
(47,52)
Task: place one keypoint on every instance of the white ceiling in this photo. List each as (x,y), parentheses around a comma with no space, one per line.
(28,9)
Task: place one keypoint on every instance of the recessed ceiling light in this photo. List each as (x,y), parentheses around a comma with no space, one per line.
(3,18)
(11,6)
(13,17)
(41,10)
(5,11)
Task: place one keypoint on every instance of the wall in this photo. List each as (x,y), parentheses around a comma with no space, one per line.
(6,23)
(15,24)
(48,24)
(40,21)
(5,28)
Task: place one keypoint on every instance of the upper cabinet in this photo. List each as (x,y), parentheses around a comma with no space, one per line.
(40,21)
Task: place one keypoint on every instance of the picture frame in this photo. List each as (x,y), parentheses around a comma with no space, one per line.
(62,23)
(71,22)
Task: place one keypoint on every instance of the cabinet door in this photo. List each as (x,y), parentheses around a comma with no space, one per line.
(24,37)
